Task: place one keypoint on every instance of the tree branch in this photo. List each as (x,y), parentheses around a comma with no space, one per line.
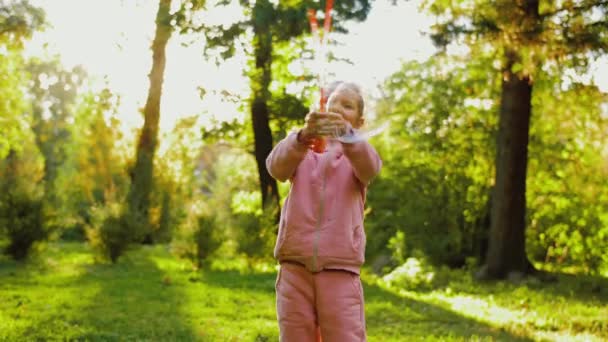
(576,9)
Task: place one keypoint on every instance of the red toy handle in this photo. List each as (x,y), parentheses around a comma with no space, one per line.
(318,144)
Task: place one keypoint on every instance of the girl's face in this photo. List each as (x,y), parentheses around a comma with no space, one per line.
(345,101)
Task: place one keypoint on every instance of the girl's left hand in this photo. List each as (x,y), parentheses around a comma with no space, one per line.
(333,125)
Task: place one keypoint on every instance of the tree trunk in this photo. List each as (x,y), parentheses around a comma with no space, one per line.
(260,82)
(506,250)
(142,172)
(506,256)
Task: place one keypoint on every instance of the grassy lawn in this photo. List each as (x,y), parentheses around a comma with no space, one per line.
(151,296)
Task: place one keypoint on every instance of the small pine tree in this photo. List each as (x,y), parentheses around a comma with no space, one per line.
(21,205)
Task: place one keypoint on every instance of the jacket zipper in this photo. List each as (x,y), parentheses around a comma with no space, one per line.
(315,249)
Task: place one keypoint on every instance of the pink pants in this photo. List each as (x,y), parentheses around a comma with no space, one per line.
(327,305)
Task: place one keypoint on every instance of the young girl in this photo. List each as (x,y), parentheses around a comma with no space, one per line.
(321,240)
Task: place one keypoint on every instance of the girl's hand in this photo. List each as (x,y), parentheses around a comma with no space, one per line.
(324,124)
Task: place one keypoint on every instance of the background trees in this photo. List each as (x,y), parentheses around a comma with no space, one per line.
(266,25)
(450,155)
(138,199)
(526,35)
(21,204)
(18,20)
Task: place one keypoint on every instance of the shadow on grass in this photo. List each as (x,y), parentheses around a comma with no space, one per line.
(584,288)
(135,301)
(74,299)
(389,317)
(239,281)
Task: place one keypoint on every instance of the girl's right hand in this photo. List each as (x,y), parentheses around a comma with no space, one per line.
(323,124)
(312,133)
(312,125)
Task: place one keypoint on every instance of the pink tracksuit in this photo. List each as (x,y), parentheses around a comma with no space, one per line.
(321,240)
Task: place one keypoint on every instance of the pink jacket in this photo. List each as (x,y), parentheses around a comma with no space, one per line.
(321,224)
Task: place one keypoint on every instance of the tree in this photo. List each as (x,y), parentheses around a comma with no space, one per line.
(18,20)
(138,199)
(270,22)
(437,164)
(21,214)
(54,92)
(526,34)
(92,175)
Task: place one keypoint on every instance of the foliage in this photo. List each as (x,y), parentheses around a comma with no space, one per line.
(567,198)
(18,21)
(21,207)
(142,171)
(23,221)
(257,227)
(13,124)
(197,238)
(92,177)
(289,101)
(436,178)
(433,192)
(292,86)
(217,207)
(567,32)
(413,274)
(263,25)
(166,197)
(205,239)
(192,226)
(238,205)
(53,93)
(530,38)
(108,232)
(93,173)
(284,20)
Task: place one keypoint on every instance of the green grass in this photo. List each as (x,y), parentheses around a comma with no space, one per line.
(151,296)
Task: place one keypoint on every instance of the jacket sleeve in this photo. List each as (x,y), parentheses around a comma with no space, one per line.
(285,157)
(364,159)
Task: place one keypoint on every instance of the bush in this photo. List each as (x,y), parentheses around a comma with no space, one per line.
(110,231)
(22,219)
(414,274)
(205,239)
(196,239)
(257,227)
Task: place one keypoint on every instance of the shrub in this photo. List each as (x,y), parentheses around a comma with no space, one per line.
(22,219)
(196,239)
(110,231)
(414,274)
(256,226)
(205,239)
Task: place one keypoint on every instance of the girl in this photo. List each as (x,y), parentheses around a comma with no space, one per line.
(321,240)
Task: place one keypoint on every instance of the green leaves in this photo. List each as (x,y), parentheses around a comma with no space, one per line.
(18,21)
(566,192)
(14,117)
(437,158)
